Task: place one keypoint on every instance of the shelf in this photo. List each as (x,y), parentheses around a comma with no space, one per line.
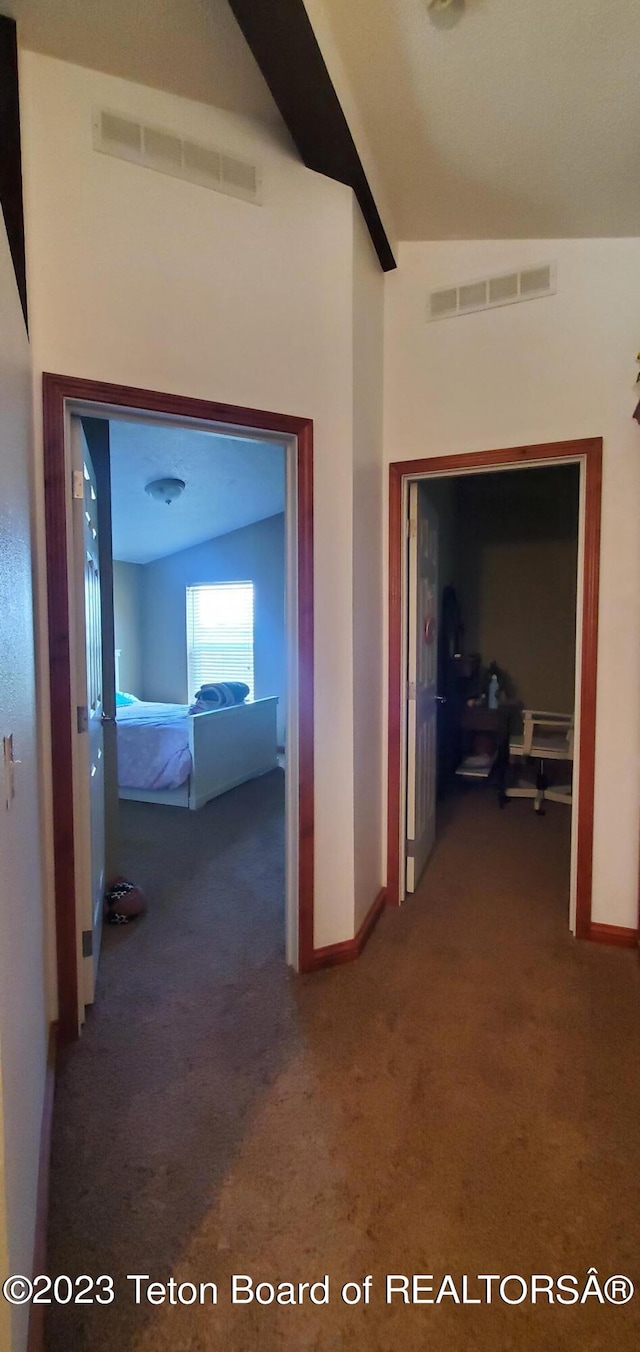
(477,767)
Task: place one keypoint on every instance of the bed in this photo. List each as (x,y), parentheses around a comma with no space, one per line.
(167,755)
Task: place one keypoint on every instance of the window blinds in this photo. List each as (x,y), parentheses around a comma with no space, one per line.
(220,634)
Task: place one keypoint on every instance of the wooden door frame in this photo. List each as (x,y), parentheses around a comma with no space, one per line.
(60,392)
(589,452)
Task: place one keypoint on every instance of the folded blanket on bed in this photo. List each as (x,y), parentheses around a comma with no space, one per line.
(219,695)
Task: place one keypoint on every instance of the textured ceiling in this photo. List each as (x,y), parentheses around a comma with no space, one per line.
(521,121)
(230,482)
(188,47)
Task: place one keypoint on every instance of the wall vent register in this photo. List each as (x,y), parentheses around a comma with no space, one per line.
(506,289)
(168,153)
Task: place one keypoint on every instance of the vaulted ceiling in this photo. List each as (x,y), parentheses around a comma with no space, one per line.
(189,47)
(522,119)
(501,119)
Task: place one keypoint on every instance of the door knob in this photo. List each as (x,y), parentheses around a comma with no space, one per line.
(440,699)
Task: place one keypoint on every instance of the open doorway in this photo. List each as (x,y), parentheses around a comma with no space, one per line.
(493,627)
(193,657)
(218,597)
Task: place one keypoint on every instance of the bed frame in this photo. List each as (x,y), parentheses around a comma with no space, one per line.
(228,747)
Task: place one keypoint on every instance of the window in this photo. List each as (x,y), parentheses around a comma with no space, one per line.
(220,634)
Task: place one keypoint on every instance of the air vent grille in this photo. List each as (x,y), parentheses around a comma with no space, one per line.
(121,133)
(163,150)
(506,289)
(204,163)
(472,297)
(503,289)
(239,177)
(534,280)
(444,303)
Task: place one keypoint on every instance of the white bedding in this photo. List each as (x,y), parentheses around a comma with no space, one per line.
(153,746)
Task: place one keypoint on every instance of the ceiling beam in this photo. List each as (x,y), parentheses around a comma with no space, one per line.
(10,157)
(285,47)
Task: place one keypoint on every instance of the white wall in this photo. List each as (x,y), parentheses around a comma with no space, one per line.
(145,280)
(23,1013)
(544,370)
(127,623)
(368,655)
(252,554)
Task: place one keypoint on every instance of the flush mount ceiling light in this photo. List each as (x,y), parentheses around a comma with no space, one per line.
(445,13)
(165,490)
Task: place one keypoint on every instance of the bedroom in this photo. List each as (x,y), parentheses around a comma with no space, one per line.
(193,787)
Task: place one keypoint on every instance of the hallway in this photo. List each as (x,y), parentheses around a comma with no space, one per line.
(465,1099)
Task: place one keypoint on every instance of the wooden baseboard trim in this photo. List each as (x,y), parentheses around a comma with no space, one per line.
(333,955)
(35,1339)
(618,935)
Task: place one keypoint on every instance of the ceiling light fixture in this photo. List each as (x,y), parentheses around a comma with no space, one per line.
(445,13)
(165,490)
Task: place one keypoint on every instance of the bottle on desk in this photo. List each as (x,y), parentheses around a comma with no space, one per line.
(493,692)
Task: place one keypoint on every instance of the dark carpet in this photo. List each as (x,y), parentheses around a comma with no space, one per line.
(465,1099)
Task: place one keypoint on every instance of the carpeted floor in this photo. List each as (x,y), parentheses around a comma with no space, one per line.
(464,1100)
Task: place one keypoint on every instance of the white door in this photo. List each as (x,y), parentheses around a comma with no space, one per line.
(89,750)
(422,677)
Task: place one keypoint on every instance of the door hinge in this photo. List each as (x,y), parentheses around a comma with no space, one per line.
(412,528)
(77,484)
(82,714)
(411,689)
(87,943)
